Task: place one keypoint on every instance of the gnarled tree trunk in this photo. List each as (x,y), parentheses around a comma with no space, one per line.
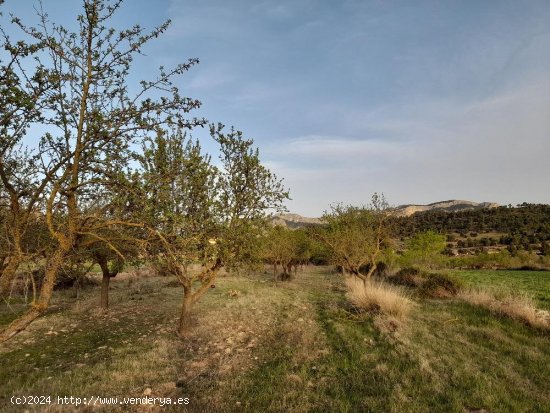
(372,269)
(52,268)
(8,275)
(190,297)
(185,315)
(106,279)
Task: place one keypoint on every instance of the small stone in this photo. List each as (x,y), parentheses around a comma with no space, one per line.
(27,355)
(147,391)
(227,350)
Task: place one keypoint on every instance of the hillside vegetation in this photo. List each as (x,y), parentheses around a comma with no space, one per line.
(525,219)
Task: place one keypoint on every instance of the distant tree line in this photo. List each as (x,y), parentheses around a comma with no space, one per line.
(523,225)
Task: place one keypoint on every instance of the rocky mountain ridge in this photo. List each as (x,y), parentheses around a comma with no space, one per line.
(298,221)
(452,205)
(294,221)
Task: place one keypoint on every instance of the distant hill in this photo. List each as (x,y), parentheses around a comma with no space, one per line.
(453,205)
(293,221)
(297,221)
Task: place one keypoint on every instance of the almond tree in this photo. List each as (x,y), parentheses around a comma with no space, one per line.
(356,236)
(202,214)
(287,248)
(93,119)
(119,244)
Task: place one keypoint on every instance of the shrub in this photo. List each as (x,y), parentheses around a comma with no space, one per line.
(439,286)
(378,297)
(409,271)
(408,277)
(424,250)
(520,307)
(380,271)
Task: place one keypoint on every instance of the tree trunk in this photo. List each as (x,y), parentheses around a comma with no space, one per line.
(50,275)
(8,275)
(372,269)
(289,270)
(41,305)
(19,324)
(105,291)
(106,279)
(360,275)
(190,297)
(185,315)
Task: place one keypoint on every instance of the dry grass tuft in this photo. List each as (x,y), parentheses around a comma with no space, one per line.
(379,297)
(519,307)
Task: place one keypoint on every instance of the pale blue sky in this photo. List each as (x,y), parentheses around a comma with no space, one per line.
(421,100)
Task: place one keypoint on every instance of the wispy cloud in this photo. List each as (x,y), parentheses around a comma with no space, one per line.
(323,148)
(494,149)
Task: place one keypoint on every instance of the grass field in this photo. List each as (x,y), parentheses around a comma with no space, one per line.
(535,283)
(290,347)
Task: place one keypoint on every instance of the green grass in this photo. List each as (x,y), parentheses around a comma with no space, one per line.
(535,283)
(452,357)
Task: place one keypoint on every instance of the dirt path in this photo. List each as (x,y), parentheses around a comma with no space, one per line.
(252,334)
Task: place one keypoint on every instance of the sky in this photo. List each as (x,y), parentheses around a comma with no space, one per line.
(423,101)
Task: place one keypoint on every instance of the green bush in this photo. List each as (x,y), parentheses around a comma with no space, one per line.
(424,251)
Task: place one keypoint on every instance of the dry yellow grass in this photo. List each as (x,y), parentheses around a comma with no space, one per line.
(379,296)
(517,306)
